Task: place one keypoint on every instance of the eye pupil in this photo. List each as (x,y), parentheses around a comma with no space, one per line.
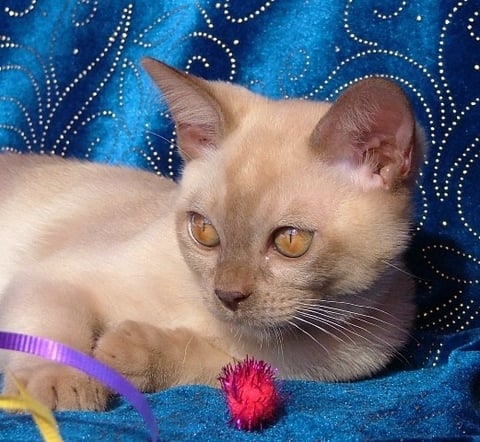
(202,231)
(292,242)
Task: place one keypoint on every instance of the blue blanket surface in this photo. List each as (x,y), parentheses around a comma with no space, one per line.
(70,84)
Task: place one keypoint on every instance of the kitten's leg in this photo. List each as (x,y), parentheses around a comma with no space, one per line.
(154,359)
(58,311)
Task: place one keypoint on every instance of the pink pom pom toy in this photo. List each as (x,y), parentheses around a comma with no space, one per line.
(251,393)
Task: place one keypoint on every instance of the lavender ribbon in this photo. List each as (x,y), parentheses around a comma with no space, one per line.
(57,352)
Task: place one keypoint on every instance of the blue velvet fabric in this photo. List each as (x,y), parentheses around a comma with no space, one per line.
(70,84)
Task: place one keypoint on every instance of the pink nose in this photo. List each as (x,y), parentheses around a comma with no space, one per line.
(231,299)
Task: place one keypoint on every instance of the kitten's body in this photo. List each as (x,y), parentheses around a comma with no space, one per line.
(101,258)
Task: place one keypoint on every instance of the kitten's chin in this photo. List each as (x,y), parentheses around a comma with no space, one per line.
(253,325)
(259,332)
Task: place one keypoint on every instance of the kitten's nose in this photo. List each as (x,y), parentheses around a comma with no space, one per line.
(231,299)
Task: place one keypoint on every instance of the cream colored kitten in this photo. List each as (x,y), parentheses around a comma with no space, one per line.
(283,241)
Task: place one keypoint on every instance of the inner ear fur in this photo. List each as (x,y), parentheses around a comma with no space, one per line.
(370,127)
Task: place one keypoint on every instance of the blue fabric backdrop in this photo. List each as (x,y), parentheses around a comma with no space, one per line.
(70,84)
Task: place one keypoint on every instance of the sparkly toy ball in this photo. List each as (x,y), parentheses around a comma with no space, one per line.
(251,393)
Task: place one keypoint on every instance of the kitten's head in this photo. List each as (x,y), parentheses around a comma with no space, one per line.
(286,204)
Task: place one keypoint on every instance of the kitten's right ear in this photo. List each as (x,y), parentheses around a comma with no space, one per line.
(196,112)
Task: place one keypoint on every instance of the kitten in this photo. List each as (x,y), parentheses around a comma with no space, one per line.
(283,241)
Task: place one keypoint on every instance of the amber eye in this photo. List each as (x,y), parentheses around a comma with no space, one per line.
(292,242)
(202,231)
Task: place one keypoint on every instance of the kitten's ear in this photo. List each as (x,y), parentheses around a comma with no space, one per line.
(197,114)
(371,130)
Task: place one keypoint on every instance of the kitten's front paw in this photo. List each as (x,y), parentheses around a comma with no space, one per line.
(59,387)
(140,352)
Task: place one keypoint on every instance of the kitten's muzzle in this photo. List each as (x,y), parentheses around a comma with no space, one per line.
(231,299)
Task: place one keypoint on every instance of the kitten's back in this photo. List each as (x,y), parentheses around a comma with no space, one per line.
(49,204)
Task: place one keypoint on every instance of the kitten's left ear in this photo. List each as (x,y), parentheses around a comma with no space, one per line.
(200,121)
(370,129)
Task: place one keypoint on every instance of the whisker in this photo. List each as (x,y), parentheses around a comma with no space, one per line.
(279,339)
(362,306)
(322,329)
(345,330)
(410,335)
(293,324)
(360,317)
(169,141)
(325,314)
(161,137)
(406,272)
(375,336)
(368,319)
(328,320)
(320,302)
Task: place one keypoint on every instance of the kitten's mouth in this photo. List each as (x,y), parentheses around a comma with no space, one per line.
(258,328)
(241,317)
(244,313)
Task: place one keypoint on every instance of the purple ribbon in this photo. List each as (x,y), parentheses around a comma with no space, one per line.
(57,352)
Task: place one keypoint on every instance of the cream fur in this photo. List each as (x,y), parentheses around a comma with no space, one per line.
(100,257)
